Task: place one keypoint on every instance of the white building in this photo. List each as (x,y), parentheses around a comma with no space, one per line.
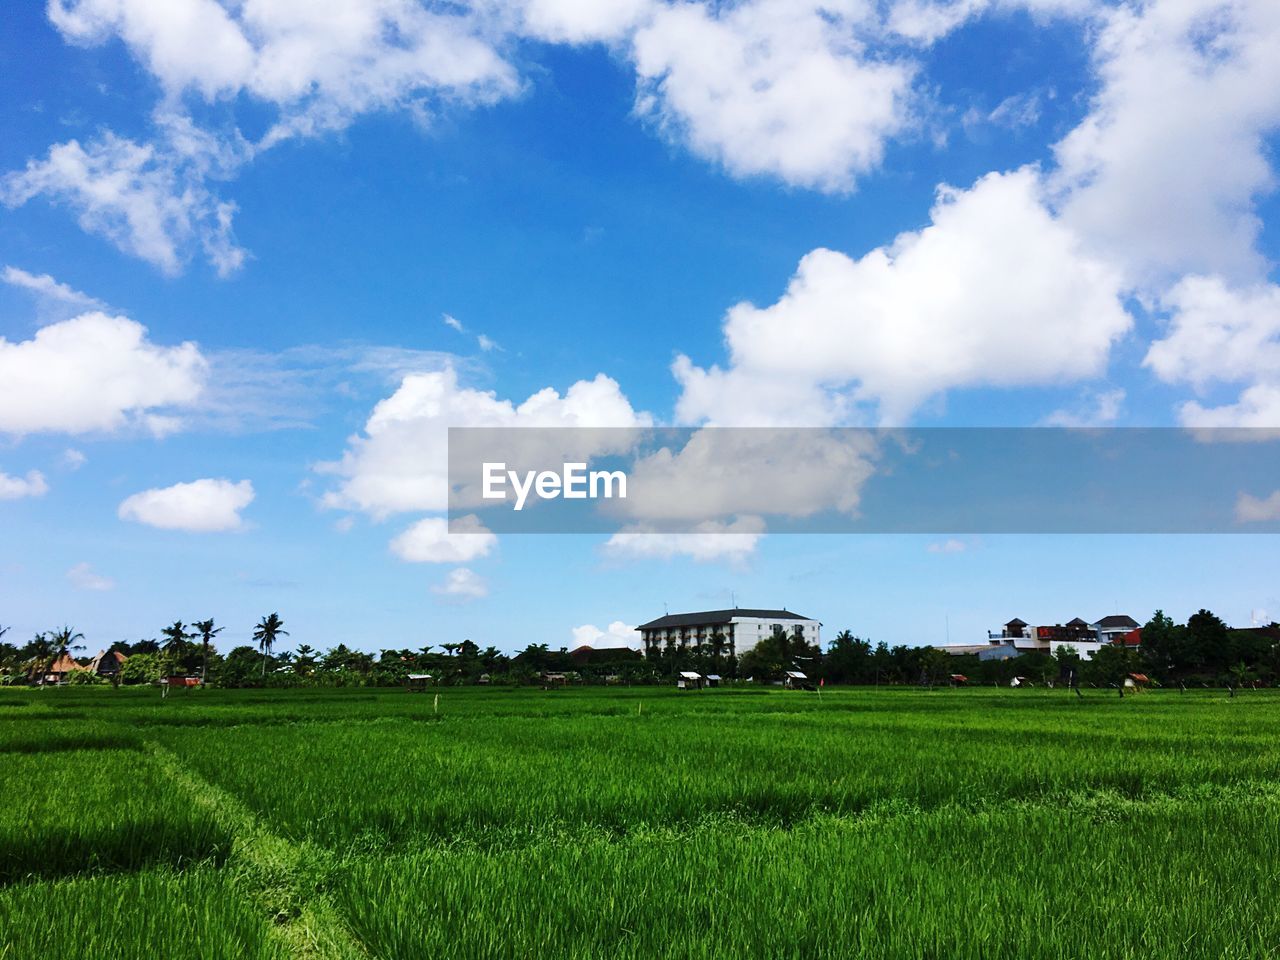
(1017,637)
(739,629)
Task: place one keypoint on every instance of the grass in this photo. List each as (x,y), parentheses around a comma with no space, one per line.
(66,812)
(641,822)
(1160,879)
(193,915)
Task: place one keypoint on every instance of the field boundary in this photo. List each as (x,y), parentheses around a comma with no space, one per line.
(283,878)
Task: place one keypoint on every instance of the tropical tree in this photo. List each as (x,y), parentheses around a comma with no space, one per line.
(177,642)
(206,631)
(265,633)
(62,643)
(450,647)
(38,652)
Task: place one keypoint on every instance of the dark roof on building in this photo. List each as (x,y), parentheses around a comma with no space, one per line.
(710,618)
(1076,622)
(1117,620)
(1015,622)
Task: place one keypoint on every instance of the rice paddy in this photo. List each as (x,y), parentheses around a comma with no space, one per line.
(639,822)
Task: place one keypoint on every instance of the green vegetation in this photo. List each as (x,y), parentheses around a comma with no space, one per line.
(638,822)
(193,915)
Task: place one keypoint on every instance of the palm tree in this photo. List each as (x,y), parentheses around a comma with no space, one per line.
(175,642)
(450,647)
(207,631)
(62,643)
(38,651)
(266,633)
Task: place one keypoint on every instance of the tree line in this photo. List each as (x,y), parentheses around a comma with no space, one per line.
(1202,651)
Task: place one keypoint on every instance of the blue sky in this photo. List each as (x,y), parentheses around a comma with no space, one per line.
(699,214)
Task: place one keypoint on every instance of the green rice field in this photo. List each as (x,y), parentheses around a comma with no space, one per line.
(639,822)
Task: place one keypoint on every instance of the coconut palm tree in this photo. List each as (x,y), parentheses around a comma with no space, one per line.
(176,641)
(62,642)
(265,633)
(450,647)
(206,631)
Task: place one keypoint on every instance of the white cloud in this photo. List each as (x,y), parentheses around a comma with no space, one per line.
(994,292)
(1258,407)
(485,343)
(201,506)
(400,462)
(572,21)
(1222,334)
(1162,173)
(733,542)
(15,488)
(1217,333)
(722,473)
(462,585)
(46,287)
(73,459)
(82,577)
(147,199)
(1250,509)
(319,65)
(951,545)
(617,634)
(927,21)
(772,87)
(1099,408)
(430,541)
(453,323)
(95,373)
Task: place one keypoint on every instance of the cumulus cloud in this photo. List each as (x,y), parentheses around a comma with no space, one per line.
(16,488)
(318,65)
(994,292)
(72,459)
(1098,408)
(1222,334)
(95,373)
(718,474)
(462,585)
(733,542)
(47,288)
(1251,509)
(430,541)
(149,200)
(1258,407)
(400,461)
(772,87)
(1162,173)
(1218,333)
(201,506)
(951,545)
(83,577)
(617,634)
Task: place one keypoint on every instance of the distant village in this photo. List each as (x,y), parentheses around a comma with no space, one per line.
(695,650)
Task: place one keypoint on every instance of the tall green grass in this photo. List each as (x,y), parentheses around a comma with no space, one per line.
(64,812)
(501,780)
(1105,879)
(194,915)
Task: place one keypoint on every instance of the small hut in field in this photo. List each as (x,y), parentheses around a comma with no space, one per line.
(418,682)
(689,680)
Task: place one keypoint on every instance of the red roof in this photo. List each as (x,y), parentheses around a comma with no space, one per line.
(1131,639)
(64,664)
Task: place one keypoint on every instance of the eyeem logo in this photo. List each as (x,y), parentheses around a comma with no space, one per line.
(573,482)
